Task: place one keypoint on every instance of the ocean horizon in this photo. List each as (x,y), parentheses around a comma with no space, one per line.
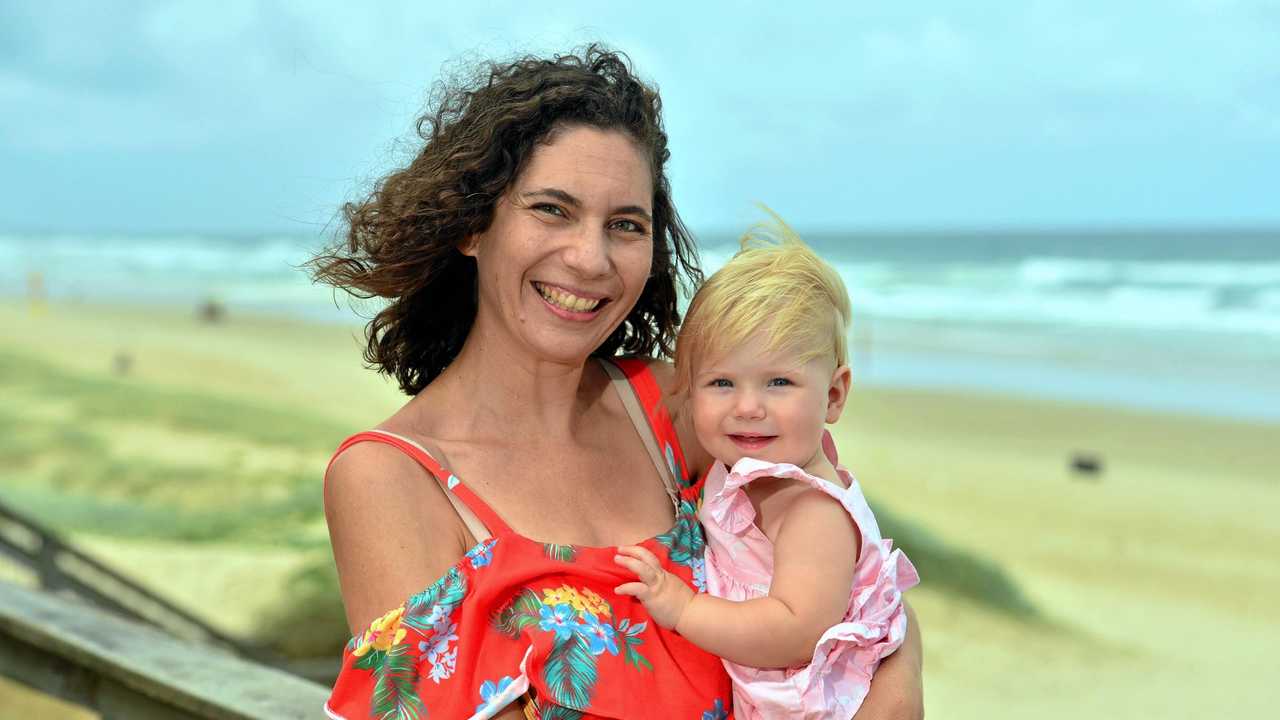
(1174,321)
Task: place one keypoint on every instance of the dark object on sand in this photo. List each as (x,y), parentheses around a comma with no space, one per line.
(122,363)
(211,311)
(1086,464)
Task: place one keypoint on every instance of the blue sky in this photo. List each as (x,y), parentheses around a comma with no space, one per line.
(246,117)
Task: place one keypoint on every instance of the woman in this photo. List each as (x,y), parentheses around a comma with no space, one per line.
(532,239)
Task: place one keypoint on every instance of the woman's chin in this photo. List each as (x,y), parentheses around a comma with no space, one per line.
(566,348)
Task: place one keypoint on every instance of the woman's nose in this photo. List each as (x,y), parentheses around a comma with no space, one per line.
(588,252)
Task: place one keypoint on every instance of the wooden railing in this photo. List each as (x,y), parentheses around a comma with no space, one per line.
(121,668)
(61,568)
(94,637)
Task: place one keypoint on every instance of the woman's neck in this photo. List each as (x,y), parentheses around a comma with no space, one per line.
(493,389)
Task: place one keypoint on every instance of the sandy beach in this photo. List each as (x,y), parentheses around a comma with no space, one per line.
(153,439)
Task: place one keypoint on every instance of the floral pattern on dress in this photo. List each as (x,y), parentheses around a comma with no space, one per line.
(700,574)
(563,553)
(717,712)
(676,471)
(580,621)
(384,650)
(491,691)
(684,541)
(482,554)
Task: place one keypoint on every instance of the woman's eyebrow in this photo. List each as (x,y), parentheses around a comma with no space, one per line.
(633,210)
(555,193)
(571,201)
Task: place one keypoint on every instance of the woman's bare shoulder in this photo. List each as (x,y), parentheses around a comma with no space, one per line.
(392,529)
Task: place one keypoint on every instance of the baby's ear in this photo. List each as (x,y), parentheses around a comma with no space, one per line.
(838,392)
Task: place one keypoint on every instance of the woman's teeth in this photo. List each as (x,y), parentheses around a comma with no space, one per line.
(566,300)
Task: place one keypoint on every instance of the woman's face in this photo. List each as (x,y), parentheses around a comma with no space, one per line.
(570,246)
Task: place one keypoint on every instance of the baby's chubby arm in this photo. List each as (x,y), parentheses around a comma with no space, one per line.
(815,553)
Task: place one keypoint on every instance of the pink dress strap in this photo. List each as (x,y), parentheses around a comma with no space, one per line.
(450,482)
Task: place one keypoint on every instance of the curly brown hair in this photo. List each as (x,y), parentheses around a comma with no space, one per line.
(401,242)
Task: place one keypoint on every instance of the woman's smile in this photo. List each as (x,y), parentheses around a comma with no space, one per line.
(570,304)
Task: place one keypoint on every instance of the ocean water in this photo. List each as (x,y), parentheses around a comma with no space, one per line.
(1171,321)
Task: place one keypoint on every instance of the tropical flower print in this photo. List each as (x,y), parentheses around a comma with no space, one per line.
(384,650)
(443,665)
(700,575)
(559,619)
(580,634)
(563,553)
(381,635)
(489,692)
(600,636)
(684,541)
(482,554)
(675,468)
(717,712)
(584,600)
(439,655)
(631,639)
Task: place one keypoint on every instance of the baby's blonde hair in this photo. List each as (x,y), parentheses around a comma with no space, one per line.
(775,283)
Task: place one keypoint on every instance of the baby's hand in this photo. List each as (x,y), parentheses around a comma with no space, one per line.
(663,594)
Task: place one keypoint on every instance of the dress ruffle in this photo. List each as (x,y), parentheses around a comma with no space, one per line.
(739,556)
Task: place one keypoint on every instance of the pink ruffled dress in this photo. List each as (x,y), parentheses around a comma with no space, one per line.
(739,566)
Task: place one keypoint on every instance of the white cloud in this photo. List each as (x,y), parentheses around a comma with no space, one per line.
(755,94)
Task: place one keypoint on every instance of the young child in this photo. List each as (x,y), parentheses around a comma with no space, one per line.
(805,597)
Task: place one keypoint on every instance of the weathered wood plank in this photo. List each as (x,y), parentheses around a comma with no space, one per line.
(60,566)
(126,669)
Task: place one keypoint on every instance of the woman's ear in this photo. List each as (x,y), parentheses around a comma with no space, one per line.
(838,392)
(469,245)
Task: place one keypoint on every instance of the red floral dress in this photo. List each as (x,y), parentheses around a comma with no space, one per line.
(515,615)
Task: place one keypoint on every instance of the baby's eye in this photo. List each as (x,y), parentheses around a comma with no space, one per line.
(779,382)
(720,383)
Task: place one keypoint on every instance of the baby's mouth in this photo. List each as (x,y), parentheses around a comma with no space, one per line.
(751,441)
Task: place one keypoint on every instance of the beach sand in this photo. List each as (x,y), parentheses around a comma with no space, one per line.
(1154,581)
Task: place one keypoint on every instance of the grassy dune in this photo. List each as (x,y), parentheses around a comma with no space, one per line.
(1156,581)
(1149,589)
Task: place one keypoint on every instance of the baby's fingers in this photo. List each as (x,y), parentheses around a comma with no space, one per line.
(647,574)
(634,589)
(641,554)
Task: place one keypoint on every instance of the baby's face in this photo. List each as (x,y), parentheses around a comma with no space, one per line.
(767,406)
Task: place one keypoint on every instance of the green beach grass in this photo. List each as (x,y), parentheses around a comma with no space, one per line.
(198,472)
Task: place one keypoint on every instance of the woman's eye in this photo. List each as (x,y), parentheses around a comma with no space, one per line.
(779,382)
(629,226)
(549,209)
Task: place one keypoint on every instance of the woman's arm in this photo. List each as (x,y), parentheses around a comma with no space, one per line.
(393,531)
(815,553)
(897,688)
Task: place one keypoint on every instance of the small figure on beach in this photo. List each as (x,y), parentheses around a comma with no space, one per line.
(1086,465)
(36,297)
(122,362)
(211,311)
(803,596)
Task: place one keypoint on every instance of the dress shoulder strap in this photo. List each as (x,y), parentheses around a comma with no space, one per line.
(650,396)
(640,421)
(479,518)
